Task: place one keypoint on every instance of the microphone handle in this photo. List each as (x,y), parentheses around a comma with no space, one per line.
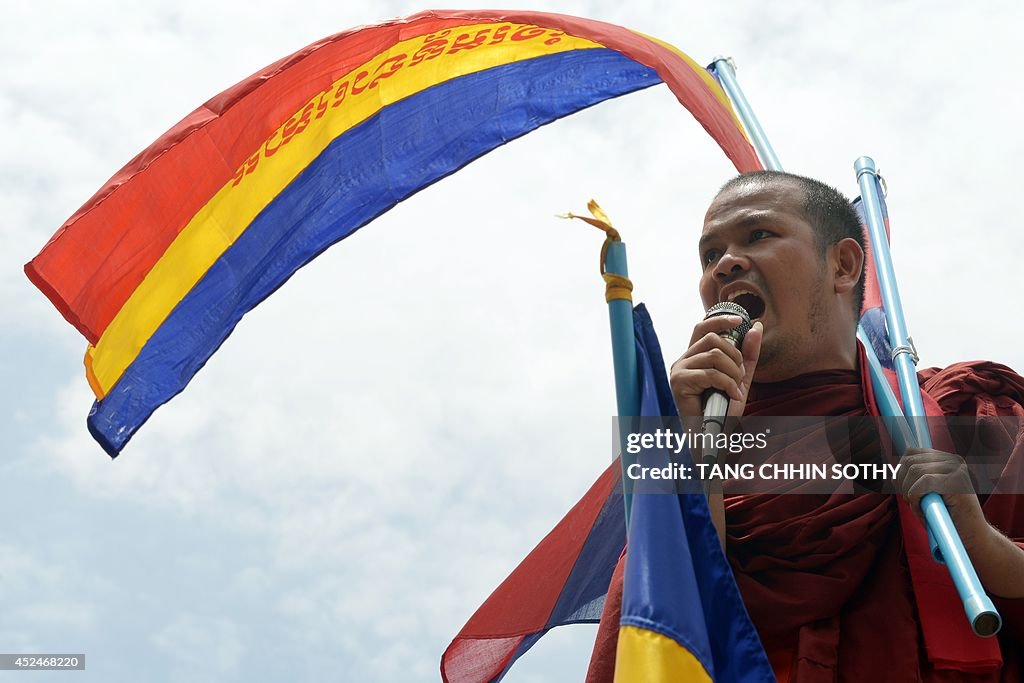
(715,409)
(716,403)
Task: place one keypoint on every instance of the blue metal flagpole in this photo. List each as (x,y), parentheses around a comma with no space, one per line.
(895,422)
(618,294)
(723,68)
(946,543)
(627,389)
(947,546)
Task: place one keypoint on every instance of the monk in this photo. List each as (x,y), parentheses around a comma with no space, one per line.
(839,587)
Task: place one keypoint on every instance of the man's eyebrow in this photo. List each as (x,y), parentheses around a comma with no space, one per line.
(748,221)
(704,240)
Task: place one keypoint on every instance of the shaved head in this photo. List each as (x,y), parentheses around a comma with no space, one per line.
(825,208)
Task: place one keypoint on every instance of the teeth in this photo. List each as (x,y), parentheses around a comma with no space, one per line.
(732,297)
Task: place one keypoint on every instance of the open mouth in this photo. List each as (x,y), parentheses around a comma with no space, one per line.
(752,303)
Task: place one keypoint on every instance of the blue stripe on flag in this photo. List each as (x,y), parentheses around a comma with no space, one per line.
(426,137)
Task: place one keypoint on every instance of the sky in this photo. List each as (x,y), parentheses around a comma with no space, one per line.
(381,441)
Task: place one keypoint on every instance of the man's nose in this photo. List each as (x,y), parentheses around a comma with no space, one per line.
(730,265)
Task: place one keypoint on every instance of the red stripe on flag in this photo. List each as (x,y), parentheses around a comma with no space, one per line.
(94,262)
(497,628)
(99,256)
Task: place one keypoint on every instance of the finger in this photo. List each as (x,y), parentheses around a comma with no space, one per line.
(901,475)
(711,341)
(929,461)
(695,381)
(911,471)
(942,479)
(751,353)
(928,483)
(715,358)
(911,468)
(919,461)
(930,455)
(717,324)
(918,488)
(719,380)
(915,508)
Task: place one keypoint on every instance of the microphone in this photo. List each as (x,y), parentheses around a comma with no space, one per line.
(716,403)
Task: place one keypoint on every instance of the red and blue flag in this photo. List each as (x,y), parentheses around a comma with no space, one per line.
(681,607)
(158,268)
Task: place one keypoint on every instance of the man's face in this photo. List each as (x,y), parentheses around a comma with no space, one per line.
(759,251)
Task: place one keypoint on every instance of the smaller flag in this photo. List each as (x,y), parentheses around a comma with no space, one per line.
(564,580)
(682,615)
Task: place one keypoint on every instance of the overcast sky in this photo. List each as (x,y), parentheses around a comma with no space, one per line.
(379,443)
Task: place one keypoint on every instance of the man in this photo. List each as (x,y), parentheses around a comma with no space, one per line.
(831,582)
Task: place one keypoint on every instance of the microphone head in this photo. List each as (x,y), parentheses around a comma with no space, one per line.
(737,333)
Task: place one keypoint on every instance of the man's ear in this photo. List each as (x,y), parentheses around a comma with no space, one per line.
(848,264)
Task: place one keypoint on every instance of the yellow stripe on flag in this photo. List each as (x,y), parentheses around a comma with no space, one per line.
(644,656)
(399,72)
(708,79)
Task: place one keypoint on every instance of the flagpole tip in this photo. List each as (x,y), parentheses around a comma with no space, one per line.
(864,165)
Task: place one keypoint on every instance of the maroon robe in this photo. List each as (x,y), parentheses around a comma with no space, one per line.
(827,579)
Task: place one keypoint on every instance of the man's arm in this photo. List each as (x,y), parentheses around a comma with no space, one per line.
(712,363)
(998,560)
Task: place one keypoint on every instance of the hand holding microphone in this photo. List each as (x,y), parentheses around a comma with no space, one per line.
(712,380)
(713,362)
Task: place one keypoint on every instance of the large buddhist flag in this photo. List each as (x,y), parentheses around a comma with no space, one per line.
(160,265)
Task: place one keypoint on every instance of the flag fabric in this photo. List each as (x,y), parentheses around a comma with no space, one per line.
(161,264)
(683,619)
(565,579)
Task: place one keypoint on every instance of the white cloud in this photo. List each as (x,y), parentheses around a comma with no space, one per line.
(205,648)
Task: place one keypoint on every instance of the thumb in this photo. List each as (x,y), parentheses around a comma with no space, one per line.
(751,352)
